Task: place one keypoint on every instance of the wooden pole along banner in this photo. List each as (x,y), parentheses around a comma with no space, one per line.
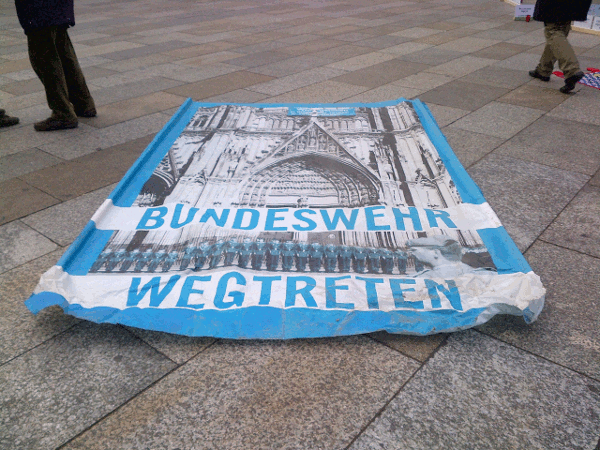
(279,221)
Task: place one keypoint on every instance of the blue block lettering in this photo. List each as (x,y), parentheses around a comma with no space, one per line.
(310,224)
(239,219)
(398,294)
(413,214)
(177,215)
(237,296)
(372,299)
(433,215)
(266,287)
(153,215)
(272,218)
(331,294)
(451,294)
(370,215)
(157,295)
(292,291)
(188,289)
(339,214)
(212,214)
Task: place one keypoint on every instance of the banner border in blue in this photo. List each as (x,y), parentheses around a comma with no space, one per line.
(504,252)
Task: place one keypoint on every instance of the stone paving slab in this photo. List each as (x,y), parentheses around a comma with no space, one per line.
(20,244)
(134,89)
(500,51)
(13,103)
(23,87)
(479,393)
(526,196)
(382,73)
(258,59)
(468,44)
(312,46)
(63,223)
(238,96)
(87,173)
(595,180)
(417,347)
(564,144)
(325,92)
(445,115)
(497,119)
(578,225)
(463,95)
(568,330)
(142,62)
(530,148)
(406,48)
(534,97)
(23,162)
(468,146)
(384,93)
(462,66)
(580,108)
(219,85)
(431,56)
(66,384)
(14,66)
(380,42)
(296,81)
(77,145)
(363,61)
(504,78)
(208,58)
(423,80)
(241,395)
(20,330)
(18,199)
(179,349)
(291,66)
(124,110)
(30,115)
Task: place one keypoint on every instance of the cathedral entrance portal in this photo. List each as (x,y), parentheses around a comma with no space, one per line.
(310,180)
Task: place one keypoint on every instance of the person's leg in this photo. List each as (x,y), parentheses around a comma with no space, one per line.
(567,60)
(46,63)
(79,94)
(547,60)
(563,52)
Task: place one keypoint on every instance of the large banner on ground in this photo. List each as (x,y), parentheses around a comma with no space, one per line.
(289,221)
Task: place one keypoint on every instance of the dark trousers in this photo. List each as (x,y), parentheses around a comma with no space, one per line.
(54,61)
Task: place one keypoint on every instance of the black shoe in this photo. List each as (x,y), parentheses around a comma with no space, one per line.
(7,121)
(87,113)
(571,82)
(536,74)
(51,124)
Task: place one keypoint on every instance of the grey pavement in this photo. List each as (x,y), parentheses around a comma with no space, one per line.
(71,384)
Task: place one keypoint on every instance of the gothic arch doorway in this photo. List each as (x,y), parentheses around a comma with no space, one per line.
(312,179)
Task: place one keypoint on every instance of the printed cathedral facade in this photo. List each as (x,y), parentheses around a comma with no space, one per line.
(235,156)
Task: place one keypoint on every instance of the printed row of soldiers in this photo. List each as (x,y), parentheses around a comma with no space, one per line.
(260,255)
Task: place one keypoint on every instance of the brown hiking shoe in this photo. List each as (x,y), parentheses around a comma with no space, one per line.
(51,124)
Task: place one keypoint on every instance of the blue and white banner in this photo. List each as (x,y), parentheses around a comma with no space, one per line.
(290,221)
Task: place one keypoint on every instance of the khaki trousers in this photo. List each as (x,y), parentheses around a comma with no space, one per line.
(558,49)
(54,61)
